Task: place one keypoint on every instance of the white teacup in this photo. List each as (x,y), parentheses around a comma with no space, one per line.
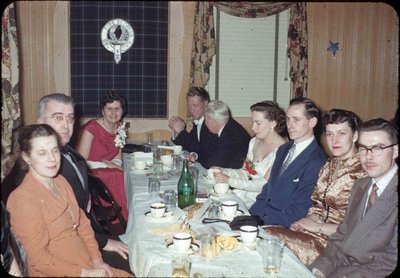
(139,164)
(166,159)
(248,234)
(157,210)
(177,149)
(182,241)
(229,208)
(221,188)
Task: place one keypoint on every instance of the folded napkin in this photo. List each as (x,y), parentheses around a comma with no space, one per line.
(147,157)
(95,164)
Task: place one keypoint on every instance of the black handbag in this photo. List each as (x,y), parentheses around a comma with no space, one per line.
(242,220)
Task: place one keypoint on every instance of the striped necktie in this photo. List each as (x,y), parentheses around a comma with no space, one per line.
(372,197)
(288,159)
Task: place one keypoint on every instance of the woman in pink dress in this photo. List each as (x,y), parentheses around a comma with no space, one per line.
(100,142)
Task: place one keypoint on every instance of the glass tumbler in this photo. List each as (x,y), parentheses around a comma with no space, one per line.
(154,188)
(170,199)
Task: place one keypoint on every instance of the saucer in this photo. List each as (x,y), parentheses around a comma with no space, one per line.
(249,246)
(223,216)
(194,248)
(168,216)
(213,193)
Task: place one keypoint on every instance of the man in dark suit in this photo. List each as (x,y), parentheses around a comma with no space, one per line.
(365,244)
(57,110)
(230,148)
(286,197)
(199,140)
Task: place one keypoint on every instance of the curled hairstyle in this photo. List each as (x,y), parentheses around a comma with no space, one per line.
(272,112)
(33,131)
(57,97)
(111,96)
(339,116)
(380,124)
(217,110)
(200,92)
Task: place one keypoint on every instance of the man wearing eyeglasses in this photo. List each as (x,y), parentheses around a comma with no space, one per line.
(57,110)
(365,244)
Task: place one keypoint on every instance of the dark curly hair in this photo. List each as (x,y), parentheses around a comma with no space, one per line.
(272,112)
(339,116)
(111,96)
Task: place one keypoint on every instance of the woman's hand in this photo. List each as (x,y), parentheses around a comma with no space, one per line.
(110,164)
(100,265)
(305,224)
(219,177)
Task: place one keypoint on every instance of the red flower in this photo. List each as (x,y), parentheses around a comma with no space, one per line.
(249,167)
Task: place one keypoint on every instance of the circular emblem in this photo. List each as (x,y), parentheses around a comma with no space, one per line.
(117,36)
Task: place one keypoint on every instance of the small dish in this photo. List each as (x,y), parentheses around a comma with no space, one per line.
(194,248)
(168,216)
(215,194)
(249,246)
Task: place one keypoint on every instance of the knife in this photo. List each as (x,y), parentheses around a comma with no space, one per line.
(202,211)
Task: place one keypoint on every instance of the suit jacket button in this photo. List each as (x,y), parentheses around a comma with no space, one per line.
(269,200)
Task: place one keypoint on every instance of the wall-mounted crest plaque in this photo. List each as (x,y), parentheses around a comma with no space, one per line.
(117,37)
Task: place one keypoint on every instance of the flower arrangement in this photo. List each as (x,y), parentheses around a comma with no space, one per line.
(120,135)
(250,167)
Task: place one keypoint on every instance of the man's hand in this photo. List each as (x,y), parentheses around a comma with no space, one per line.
(176,124)
(117,246)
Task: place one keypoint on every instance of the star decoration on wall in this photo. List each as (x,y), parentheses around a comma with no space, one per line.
(334,47)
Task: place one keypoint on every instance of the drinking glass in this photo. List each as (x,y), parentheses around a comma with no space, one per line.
(207,245)
(157,169)
(170,199)
(271,253)
(149,137)
(154,187)
(181,266)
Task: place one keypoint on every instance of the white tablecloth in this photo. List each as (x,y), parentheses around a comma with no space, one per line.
(149,256)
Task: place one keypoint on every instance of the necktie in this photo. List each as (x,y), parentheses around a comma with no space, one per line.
(288,159)
(372,197)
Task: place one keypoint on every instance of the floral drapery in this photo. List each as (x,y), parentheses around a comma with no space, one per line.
(203,48)
(10,110)
(204,38)
(298,49)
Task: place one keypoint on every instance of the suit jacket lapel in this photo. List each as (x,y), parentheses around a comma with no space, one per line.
(80,162)
(377,214)
(299,160)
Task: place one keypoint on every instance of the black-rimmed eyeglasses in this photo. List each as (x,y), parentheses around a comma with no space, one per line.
(58,118)
(376,151)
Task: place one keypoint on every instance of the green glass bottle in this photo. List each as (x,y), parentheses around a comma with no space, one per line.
(185,187)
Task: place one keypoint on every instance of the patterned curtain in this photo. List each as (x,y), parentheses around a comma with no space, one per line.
(10,110)
(204,37)
(203,48)
(298,50)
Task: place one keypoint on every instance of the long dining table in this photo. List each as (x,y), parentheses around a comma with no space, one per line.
(149,255)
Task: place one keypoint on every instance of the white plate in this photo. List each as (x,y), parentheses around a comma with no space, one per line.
(194,248)
(167,217)
(213,193)
(249,246)
(229,218)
